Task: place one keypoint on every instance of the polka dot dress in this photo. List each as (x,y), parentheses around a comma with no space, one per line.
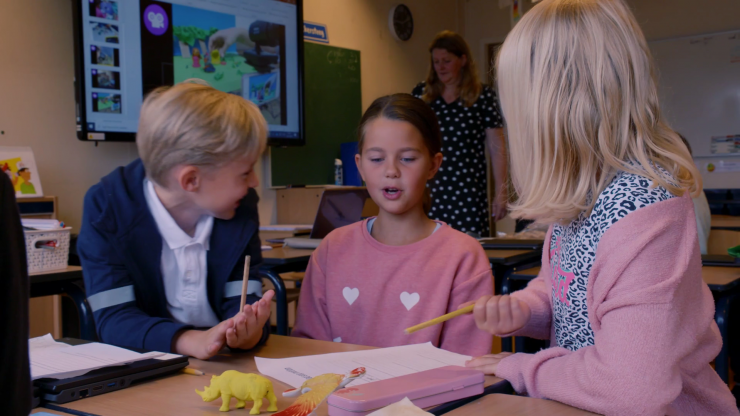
(459,191)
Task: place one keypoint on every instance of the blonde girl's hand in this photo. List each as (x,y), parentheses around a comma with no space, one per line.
(501,314)
(487,363)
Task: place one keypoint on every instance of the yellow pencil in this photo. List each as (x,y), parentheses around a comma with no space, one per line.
(192,371)
(440,319)
(245,280)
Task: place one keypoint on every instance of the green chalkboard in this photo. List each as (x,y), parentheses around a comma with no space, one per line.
(333,111)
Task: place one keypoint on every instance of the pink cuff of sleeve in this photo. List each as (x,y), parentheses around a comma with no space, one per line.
(510,368)
(521,369)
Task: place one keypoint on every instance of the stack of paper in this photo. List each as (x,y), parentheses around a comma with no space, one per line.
(380,364)
(41,224)
(51,359)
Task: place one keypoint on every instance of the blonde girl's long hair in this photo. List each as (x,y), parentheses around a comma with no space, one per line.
(579,96)
(470,85)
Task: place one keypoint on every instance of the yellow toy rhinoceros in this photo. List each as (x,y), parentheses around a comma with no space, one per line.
(244,387)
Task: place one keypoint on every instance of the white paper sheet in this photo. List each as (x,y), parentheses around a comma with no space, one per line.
(380,364)
(51,359)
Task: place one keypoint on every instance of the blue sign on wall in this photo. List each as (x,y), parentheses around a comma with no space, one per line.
(315,32)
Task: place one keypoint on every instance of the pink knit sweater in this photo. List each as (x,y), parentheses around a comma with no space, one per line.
(653,322)
(360,291)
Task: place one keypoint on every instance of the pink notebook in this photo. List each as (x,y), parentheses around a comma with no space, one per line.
(425,389)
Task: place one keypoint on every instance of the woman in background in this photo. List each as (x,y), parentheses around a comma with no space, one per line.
(470,120)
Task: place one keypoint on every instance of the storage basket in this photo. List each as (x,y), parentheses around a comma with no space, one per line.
(47,249)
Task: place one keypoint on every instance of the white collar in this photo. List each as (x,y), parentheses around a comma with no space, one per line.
(171,233)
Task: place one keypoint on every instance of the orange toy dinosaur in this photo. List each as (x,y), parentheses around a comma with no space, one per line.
(314,391)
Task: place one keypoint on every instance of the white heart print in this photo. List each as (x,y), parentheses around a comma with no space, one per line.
(338,339)
(350,295)
(409,300)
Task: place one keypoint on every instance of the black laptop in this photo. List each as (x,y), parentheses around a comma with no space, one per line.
(511,244)
(105,380)
(337,208)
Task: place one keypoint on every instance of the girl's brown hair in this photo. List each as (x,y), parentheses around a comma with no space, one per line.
(470,85)
(404,107)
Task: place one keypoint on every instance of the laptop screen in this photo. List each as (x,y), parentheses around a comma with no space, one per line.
(338,207)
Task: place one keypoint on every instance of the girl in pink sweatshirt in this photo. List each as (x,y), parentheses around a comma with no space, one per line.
(620,295)
(369,281)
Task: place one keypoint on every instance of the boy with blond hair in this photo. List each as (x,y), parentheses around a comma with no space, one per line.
(163,240)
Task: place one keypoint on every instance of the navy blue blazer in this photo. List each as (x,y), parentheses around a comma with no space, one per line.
(121,250)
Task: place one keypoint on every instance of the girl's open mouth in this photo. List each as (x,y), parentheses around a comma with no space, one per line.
(392,193)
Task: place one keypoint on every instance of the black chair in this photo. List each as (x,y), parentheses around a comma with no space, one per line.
(15,372)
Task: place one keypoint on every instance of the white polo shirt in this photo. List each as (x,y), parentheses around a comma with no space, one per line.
(183,264)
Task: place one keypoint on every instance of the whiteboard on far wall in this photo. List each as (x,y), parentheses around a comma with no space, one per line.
(699,88)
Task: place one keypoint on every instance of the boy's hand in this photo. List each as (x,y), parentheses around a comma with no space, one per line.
(501,314)
(202,344)
(245,329)
(487,363)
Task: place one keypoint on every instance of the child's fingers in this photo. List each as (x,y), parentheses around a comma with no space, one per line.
(504,313)
(262,313)
(492,315)
(251,320)
(267,297)
(479,311)
(486,364)
(466,304)
(231,338)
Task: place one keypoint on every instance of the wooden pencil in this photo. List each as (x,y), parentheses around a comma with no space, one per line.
(440,319)
(245,281)
(192,371)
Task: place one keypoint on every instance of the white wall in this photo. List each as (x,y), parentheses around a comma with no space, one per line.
(37,97)
(659,19)
(485,22)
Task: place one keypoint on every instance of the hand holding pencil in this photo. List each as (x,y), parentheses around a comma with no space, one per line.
(493,314)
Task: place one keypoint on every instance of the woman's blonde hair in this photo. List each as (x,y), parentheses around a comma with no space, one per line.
(470,85)
(579,96)
(192,123)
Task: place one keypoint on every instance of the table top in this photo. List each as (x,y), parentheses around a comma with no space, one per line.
(532,272)
(44,410)
(721,278)
(509,405)
(173,395)
(726,222)
(717,278)
(70,273)
(285,255)
(509,257)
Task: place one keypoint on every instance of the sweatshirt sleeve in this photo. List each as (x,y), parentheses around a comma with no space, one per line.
(111,291)
(461,335)
(539,299)
(312,319)
(646,274)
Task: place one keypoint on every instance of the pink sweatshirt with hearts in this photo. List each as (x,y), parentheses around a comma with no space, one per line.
(360,291)
(652,316)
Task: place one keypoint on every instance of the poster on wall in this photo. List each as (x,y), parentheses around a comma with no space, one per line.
(516,12)
(18,163)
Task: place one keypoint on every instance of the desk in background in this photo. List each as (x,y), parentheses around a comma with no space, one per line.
(282,260)
(175,394)
(725,222)
(66,282)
